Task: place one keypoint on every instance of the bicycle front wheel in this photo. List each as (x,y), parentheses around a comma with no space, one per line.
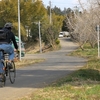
(12,72)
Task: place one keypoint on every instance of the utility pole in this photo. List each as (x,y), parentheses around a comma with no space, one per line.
(50,11)
(98,29)
(19,29)
(40,38)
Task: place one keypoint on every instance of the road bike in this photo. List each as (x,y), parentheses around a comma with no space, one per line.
(9,68)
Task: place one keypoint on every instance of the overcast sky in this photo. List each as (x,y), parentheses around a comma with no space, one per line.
(63,3)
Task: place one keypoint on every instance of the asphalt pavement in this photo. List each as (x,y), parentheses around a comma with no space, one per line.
(57,64)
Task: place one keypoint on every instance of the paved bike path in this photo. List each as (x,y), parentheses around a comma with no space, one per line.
(57,64)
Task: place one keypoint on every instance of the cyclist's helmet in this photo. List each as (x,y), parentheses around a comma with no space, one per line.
(8,25)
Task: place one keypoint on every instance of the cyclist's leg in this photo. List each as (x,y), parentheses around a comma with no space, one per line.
(8,49)
(1,63)
(1,68)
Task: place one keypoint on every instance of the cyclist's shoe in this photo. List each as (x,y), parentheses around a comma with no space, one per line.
(9,65)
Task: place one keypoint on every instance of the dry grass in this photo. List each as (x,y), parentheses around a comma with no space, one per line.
(27,62)
(33,48)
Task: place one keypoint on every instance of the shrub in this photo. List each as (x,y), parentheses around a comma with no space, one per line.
(57,41)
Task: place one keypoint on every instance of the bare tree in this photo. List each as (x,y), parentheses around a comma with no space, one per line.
(85,24)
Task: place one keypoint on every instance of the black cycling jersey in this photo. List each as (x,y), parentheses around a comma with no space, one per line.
(10,38)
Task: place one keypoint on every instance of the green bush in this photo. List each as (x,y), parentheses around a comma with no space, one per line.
(57,41)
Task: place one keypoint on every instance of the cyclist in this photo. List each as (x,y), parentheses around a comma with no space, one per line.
(6,45)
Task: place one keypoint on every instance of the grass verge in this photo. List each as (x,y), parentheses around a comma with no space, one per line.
(83,84)
(27,62)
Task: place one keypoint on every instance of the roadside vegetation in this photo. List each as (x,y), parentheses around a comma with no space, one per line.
(80,22)
(27,62)
(31,13)
(83,84)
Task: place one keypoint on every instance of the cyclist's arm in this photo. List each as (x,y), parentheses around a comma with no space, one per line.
(14,42)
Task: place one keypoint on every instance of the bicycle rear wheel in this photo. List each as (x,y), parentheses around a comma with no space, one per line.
(12,72)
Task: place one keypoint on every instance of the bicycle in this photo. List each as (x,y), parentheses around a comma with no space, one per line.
(9,69)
